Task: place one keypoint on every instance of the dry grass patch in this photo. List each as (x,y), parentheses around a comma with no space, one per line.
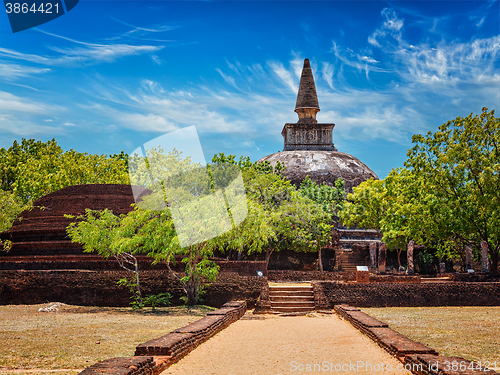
(468,332)
(75,337)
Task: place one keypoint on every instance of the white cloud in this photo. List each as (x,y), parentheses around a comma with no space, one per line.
(228,79)
(13,103)
(285,76)
(12,71)
(88,53)
(327,71)
(391,20)
(156,60)
(10,124)
(367,59)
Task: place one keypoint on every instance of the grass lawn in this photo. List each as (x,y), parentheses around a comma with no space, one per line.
(75,337)
(469,332)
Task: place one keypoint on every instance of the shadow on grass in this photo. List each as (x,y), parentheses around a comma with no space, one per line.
(198,310)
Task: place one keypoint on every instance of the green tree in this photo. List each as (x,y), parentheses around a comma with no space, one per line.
(278,217)
(446,197)
(20,154)
(102,232)
(51,172)
(330,198)
(459,166)
(32,169)
(370,206)
(10,207)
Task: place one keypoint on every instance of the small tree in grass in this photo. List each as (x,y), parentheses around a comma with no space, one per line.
(99,231)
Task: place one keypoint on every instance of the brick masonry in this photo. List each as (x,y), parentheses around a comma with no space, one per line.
(421,359)
(292,275)
(154,356)
(99,288)
(411,294)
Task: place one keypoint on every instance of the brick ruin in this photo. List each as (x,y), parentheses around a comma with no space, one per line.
(42,231)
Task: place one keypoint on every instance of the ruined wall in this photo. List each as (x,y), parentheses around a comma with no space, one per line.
(411,294)
(95,262)
(99,288)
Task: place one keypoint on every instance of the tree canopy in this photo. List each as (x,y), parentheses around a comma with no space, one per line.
(33,169)
(446,197)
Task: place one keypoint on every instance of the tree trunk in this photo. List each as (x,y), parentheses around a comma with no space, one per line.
(320,260)
(138,286)
(399,259)
(268,256)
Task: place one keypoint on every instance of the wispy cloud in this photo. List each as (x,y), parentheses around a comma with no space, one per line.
(19,116)
(227,78)
(11,71)
(92,53)
(284,75)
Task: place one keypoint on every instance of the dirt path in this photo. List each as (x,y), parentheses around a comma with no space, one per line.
(272,344)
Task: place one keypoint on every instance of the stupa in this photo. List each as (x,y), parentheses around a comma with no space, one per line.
(309,151)
(308,145)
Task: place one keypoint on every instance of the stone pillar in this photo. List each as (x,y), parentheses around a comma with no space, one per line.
(409,255)
(469,264)
(373,255)
(382,256)
(485,264)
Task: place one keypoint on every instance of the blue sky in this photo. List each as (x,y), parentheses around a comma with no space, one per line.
(112,75)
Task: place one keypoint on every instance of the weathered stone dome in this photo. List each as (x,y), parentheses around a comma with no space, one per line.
(309,149)
(322,167)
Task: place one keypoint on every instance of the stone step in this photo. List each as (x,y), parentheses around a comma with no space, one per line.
(277,304)
(292,298)
(291,287)
(291,309)
(290,293)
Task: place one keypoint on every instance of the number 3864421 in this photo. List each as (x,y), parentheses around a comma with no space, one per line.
(33,8)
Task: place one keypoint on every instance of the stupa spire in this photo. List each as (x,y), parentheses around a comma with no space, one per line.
(307,100)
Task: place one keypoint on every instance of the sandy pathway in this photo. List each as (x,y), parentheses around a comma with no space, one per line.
(269,344)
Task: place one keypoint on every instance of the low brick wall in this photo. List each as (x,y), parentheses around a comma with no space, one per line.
(156,355)
(416,357)
(410,294)
(263,305)
(291,275)
(92,262)
(99,288)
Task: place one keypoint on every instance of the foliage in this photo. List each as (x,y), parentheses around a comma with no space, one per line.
(100,231)
(10,207)
(446,197)
(365,206)
(278,217)
(33,169)
(244,163)
(136,299)
(154,300)
(331,198)
(459,170)
(149,227)
(426,263)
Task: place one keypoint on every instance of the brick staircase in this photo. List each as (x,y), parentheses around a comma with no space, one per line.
(348,260)
(291,298)
(352,242)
